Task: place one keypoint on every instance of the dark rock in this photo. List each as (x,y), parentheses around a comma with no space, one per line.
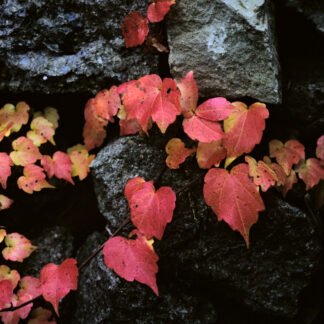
(229,45)
(313,10)
(206,255)
(54,246)
(68,47)
(103,297)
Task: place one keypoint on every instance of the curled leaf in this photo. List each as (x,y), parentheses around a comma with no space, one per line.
(177,153)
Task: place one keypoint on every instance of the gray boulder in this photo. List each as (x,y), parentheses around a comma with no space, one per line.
(230,46)
(206,255)
(102,297)
(68,46)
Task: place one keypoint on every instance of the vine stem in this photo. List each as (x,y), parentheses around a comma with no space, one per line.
(94,253)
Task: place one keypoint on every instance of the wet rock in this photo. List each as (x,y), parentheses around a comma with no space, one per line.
(103,297)
(54,246)
(313,10)
(207,256)
(68,47)
(229,45)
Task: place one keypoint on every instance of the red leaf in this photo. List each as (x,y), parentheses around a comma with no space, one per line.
(25,151)
(202,123)
(7,274)
(150,210)
(243,129)
(5,169)
(33,179)
(13,317)
(177,153)
(262,174)
(135,29)
(132,186)
(287,154)
(18,247)
(234,198)
(132,259)
(158,9)
(6,293)
(94,131)
(320,148)
(311,172)
(106,103)
(57,281)
(150,97)
(60,166)
(209,154)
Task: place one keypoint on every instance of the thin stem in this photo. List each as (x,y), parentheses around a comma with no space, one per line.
(13,308)
(94,253)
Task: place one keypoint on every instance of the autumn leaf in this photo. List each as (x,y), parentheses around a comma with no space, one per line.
(3,234)
(94,131)
(135,29)
(310,171)
(6,293)
(127,127)
(81,160)
(33,179)
(280,173)
(5,169)
(7,274)
(150,97)
(320,148)
(41,315)
(30,286)
(57,281)
(209,154)
(25,152)
(41,131)
(107,103)
(177,153)
(263,175)
(201,123)
(243,129)
(150,210)
(12,118)
(132,259)
(158,9)
(50,114)
(13,317)
(234,198)
(18,247)
(60,166)
(132,186)
(287,154)
(290,180)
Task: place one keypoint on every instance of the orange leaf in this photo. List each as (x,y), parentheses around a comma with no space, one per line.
(262,174)
(177,153)
(209,154)
(234,198)
(81,160)
(33,179)
(287,154)
(243,129)
(41,131)
(18,247)
(132,259)
(311,172)
(25,151)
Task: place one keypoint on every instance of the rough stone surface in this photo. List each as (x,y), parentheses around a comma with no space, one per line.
(119,161)
(68,46)
(311,9)
(229,44)
(207,255)
(102,297)
(55,245)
